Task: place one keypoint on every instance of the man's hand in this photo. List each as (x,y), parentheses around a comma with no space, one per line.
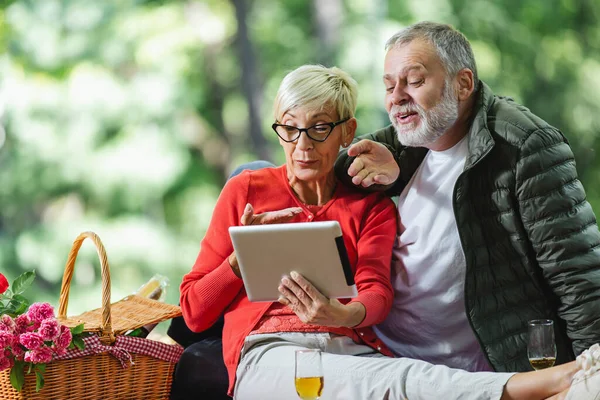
(312,307)
(269,217)
(374,164)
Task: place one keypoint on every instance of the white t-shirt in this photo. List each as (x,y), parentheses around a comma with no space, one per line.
(428,319)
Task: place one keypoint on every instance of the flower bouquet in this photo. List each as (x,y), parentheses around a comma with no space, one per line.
(111,366)
(30,335)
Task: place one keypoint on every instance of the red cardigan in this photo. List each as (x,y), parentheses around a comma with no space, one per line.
(368,223)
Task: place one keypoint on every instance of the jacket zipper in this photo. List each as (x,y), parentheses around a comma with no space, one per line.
(460,235)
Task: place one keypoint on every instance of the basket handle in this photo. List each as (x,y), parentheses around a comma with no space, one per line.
(105,325)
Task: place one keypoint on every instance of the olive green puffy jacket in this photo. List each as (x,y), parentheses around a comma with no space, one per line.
(530,238)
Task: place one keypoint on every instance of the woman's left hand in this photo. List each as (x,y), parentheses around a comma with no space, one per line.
(313,308)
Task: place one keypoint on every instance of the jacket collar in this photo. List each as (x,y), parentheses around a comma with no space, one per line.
(480,138)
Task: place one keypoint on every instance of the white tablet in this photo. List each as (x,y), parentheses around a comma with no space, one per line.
(316,250)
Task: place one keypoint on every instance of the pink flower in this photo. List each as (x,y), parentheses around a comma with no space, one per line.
(7,339)
(3,285)
(6,363)
(22,324)
(41,355)
(7,324)
(59,351)
(18,352)
(64,339)
(32,340)
(40,311)
(49,329)
(35,325)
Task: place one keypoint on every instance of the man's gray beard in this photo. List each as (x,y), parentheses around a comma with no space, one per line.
(433,123)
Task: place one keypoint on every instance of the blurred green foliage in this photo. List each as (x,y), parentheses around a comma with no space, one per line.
(124,117)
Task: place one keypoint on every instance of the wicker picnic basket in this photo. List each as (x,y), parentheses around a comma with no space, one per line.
(120,367)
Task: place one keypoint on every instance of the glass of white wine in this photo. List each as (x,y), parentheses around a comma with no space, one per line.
(309,374)
(541,348)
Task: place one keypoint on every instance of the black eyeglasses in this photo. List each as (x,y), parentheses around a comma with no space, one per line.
(318,133)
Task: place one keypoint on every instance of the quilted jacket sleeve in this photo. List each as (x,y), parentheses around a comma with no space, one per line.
(563,231)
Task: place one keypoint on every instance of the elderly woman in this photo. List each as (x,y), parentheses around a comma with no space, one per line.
(314,112)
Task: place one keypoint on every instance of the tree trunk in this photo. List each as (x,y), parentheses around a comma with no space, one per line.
(217,100)
(251,82)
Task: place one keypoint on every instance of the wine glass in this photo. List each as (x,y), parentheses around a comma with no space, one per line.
(309,374)
(541,348)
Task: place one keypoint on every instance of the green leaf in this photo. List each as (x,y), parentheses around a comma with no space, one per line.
(22,308)
(23,282)
(17,378)
(21,304)
(16,306)
(39,380)
(41,367)
(78,342)
(77,329)
(21,299)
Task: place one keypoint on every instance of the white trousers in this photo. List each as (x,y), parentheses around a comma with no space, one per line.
(354,372)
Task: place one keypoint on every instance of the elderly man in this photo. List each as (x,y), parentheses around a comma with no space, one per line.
(495,229)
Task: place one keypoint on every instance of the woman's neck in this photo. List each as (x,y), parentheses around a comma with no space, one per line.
(314,193)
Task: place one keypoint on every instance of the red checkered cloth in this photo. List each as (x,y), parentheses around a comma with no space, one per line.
(124,345)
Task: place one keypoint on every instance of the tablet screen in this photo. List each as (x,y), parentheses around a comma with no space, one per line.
(316,250)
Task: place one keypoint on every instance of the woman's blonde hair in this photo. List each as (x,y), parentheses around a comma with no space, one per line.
(316,87)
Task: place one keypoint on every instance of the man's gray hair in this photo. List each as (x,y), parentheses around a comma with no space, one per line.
(452,47)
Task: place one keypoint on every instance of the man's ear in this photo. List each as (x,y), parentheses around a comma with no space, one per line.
(466,85)
(350,130)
